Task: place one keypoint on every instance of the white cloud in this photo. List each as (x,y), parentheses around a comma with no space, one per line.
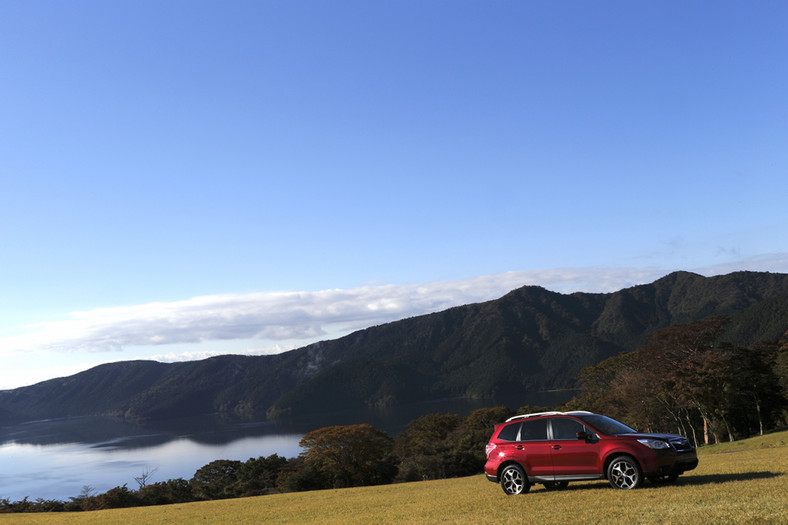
(288,316)
(288,319)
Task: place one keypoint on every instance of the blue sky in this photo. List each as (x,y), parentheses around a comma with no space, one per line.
(186,178)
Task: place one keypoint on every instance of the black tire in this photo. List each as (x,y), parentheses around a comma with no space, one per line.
(514,481)
(623,472)
(556,485)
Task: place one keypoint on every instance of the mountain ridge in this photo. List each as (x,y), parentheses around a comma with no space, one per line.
(529,340)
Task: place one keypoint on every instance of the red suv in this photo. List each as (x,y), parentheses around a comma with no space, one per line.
(555,448)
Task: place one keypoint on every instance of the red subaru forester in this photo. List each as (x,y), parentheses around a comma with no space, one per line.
(555,448)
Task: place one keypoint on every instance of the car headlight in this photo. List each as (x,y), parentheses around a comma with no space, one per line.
(656,444)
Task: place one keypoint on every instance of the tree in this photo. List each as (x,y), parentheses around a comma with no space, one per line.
(350,455)
(477,428)
(85,500)
(259,475)
(216,480)
(165,492)
(756,385)
(693,380)
(117,498)
(298,476)
(425,435)
(781,370)
(425,447)
(698,366)
(145,477)
(438,446)
(481,422)
(598,383)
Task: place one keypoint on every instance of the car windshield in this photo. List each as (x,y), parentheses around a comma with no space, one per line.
(606,425)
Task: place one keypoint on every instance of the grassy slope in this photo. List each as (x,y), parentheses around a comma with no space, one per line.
(742,482)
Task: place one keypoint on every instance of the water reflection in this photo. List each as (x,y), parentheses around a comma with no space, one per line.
(114,433)
(56,459)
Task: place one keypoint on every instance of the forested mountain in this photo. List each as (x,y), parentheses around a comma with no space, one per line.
(527,341)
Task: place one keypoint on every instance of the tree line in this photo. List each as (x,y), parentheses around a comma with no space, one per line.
(683,380)
(687,380)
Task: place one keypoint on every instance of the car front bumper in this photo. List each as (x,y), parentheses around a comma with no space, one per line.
(670,463)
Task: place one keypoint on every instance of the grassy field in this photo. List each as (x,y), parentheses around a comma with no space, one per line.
(744,482)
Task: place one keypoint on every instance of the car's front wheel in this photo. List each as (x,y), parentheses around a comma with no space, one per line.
(514,481)
(624,473)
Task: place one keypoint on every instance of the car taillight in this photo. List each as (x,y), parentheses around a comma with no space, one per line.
(489,448)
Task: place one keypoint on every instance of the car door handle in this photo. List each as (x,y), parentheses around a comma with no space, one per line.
(556,447)
(519,447)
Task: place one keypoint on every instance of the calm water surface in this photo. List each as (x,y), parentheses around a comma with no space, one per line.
(56,459)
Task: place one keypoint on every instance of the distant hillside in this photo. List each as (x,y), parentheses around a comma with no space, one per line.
(530,340)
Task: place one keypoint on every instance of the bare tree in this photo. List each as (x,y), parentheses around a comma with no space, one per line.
(145,477)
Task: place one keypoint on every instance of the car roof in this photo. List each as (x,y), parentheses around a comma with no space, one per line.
(539,414)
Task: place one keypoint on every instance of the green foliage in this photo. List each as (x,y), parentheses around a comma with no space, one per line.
(485,419)
(217,480)
(427,447)
(260,475)
(299,476)
(437,446)
(351,455)
(780,366)
(116,498)
(166,492)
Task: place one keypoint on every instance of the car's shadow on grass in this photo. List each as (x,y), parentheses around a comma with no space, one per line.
(686,480)
(707,479)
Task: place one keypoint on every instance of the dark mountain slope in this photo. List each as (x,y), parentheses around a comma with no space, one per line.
(529,340)
(104,389)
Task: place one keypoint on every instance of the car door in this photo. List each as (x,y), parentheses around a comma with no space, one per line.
(572,456)
(532,449)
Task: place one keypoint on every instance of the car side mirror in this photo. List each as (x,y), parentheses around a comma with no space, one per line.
(583,435)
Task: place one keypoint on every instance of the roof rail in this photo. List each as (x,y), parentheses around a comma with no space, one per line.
(536,414)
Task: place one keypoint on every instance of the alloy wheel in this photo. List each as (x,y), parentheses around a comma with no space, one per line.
(513,481)
(624,473)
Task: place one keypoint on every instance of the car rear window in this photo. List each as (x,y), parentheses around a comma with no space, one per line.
(535,430)
(509,432)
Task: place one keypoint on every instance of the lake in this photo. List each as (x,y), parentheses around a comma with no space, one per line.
(55,459)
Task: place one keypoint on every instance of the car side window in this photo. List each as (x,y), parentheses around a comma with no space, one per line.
(509,432)
(565,428)
(535,430)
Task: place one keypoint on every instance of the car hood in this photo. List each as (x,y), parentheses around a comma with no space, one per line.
(664,437)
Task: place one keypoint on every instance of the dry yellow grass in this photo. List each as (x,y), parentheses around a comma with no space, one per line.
(739,483)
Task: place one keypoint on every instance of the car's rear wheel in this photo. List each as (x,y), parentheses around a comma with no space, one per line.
(624,473)
(556,485)
(514,481)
